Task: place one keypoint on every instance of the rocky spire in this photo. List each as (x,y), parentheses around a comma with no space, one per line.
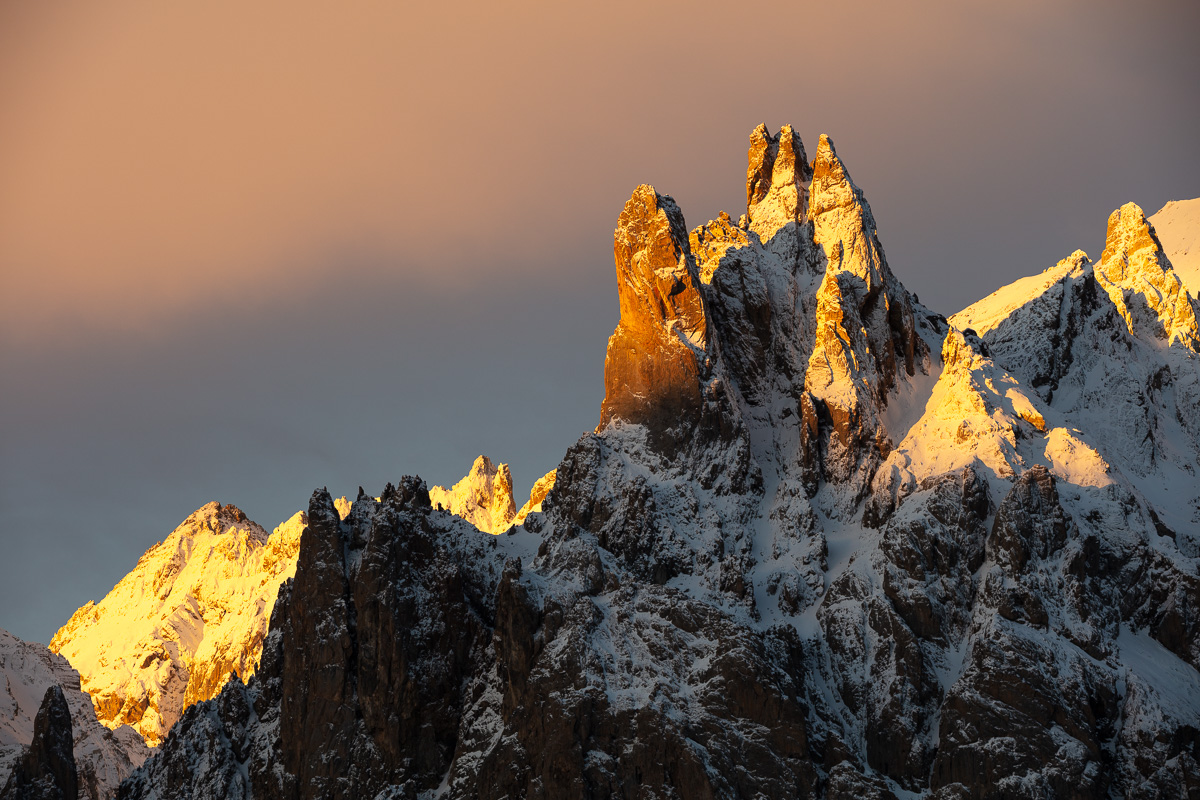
(777,179)
(656,355)
(1135,272)
(483,498)
(47,769)
(865,332)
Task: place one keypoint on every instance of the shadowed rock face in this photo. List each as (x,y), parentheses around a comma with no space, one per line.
(47,770)
(820,545)
(411,650)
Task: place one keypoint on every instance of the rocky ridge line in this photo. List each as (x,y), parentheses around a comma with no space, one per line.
(831,546)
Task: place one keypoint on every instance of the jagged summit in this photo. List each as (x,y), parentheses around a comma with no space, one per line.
(656,356)
(484,497)
(777,179)
(866,338)
(191,612)
(1112,347)
(798,294)
(537,496)
(823,543)
(1139,279)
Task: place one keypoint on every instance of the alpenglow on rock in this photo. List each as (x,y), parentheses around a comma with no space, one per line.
(1139,279)
(193,611)
(823,543)
(483,498)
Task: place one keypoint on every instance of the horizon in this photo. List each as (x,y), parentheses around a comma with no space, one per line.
(338,314)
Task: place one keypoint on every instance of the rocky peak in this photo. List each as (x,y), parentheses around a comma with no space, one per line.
(777,179)
(810,327)
(191,612)
(657,353)
(483,498)
(1135,272)
(866,335)
(214,518)
(47,769)
(844,227)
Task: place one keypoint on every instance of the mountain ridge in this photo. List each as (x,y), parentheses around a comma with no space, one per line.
(822,542)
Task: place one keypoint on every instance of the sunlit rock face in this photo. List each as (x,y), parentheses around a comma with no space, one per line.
(777,180)
(866,338)
(537,497)
(1111,347)
(823,543)
(193,611)
(1141,283)
(656,356)
(483,498)
(101,758)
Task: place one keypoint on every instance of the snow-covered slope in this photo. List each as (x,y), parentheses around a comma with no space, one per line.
(193,611)
(1178,227)
(1112,349)
(103,757)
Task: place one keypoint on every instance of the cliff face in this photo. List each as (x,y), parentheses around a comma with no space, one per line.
(656,357)
(823,543)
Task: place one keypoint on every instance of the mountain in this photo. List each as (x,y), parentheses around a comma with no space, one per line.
(193,611)
(36,679)
(1112,347)
(483,498)
(822,543)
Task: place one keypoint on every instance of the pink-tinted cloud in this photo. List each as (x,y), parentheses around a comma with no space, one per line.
(157,154)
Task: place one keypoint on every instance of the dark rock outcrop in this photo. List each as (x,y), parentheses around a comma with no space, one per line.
(47,771)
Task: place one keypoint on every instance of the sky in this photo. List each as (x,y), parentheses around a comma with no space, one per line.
(252,249)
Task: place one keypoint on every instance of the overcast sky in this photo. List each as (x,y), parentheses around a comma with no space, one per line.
(247,252)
